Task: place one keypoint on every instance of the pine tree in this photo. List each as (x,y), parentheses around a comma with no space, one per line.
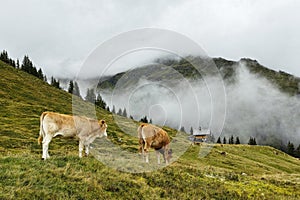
(18,64)
(124,113)
(150,121)
(40,74)
(4,56)
(114,110)
(76,90)
(219,140)
(100,102)
(54,82)
(237,140)
(191,131)
(131,117)
(290,149)
(90,96)
(252,141)
(26,64)
(28,67)
(231,140)
(182,129)
(144,119)
(120,112)
(71,87)
(224,140)
(107,108)
(297,152)
(12,63)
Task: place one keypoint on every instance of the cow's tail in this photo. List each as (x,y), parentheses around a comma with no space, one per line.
(42,132)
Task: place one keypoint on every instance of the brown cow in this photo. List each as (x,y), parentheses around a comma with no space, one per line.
(154,137)
(85,129)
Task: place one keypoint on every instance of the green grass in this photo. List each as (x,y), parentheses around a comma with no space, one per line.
(245,172)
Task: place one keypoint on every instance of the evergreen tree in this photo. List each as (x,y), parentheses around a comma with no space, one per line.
(150,121)
(297,152)
(131,117)
(90,95)
(40,74)
(182,129)
(4,56)
(237,140)
(252,141)
(18,64)
(114,110)
(124,113)
(107,108)
(231,140)
(120,112)
(28,67)
(71,87)
(191,131)
(12,63)
(290,149)
(76,90)
(100,102)
(144,119)
(54,82)
(219,140)
(224,140)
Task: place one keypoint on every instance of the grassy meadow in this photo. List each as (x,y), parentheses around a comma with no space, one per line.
(244,172)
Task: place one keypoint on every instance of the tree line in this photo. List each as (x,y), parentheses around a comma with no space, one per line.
(26,65)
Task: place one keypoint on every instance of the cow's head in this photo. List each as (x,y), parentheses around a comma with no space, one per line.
(103,127)
(169,155)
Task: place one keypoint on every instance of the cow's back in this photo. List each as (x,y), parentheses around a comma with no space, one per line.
(156,135)
(59,124)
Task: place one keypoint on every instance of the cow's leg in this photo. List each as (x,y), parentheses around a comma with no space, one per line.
(80,148)
(142,151)
(166,155)
(146,156)
(87,149)
(46,142)
(158,157)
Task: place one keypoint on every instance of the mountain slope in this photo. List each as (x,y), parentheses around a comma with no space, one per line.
(244,172)
(285,82)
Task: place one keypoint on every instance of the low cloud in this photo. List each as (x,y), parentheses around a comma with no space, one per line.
(254,106)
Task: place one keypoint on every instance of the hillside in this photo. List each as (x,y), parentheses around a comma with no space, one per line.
(244,172)
(285,82)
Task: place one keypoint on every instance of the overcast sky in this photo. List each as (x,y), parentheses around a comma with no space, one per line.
(58,35)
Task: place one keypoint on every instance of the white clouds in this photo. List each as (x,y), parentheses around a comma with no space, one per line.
(55,32)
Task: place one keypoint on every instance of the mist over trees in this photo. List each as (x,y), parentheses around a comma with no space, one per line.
(256,104)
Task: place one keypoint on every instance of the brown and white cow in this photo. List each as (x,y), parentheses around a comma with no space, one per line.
(85,129)
(151,136)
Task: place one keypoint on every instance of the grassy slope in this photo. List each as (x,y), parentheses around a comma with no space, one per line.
(269,173)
